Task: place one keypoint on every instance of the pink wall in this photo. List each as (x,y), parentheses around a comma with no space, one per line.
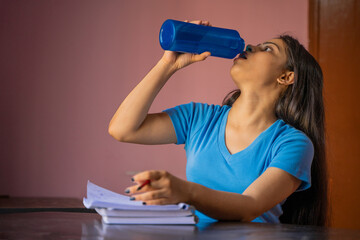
(66,66)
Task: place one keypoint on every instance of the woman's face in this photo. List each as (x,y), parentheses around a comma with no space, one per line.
(261,65)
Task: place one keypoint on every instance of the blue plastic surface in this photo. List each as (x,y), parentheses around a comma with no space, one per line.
(193,38)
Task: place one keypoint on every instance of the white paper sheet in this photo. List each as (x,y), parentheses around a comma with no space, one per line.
(98,197)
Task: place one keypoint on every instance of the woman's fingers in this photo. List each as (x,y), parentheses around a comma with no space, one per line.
(157,181)
(200,57)
(148,175)
(151,195)
(148,187)
(160,201)
(196,22)
(200,22)
(135,189)
(206,23)
(181,60)
(162,188)
(156,188)
(204,55)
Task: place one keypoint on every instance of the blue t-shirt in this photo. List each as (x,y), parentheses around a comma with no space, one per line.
(201,127)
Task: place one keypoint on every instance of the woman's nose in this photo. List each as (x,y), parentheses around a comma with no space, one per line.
(249,48)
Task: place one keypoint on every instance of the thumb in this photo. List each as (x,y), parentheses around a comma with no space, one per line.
(201,57)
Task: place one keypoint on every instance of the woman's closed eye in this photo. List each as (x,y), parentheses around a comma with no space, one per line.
(267,49)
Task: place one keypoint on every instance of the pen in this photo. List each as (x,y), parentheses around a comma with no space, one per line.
(143,184)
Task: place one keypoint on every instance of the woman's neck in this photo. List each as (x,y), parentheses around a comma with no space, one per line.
(253,111)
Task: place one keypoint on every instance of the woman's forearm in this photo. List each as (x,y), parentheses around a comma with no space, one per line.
(222,205)
(165,188)
(270,189)
(134,109)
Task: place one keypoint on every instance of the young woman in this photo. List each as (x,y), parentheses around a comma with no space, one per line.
(259,157)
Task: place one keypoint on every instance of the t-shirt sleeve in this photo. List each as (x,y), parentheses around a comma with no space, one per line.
(188,118)
(181,117)
(294,155)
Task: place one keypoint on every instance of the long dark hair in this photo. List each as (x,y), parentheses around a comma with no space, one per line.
(301,106)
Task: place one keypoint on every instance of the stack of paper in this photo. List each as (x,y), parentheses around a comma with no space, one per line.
(118,209)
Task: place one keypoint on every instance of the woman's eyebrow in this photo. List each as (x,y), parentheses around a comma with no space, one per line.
(273,44)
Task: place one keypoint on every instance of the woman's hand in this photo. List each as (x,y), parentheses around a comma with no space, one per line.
(164,188)
(181,60)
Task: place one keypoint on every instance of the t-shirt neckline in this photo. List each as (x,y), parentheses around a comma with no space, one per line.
(222,145)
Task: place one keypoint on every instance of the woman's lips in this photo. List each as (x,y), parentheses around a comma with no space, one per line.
(242,55)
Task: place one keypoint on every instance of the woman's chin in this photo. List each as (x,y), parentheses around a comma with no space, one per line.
(236,71)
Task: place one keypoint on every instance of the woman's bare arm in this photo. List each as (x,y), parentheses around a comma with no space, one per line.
(271,188)
(131,122)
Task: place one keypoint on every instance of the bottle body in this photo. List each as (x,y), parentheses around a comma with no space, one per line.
(193,38)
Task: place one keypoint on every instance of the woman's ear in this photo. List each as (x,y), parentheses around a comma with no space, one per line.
(286,78)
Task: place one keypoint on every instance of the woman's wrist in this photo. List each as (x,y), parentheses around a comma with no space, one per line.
(168,67)
(190,192)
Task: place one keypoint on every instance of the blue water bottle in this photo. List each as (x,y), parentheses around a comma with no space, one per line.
(193,38)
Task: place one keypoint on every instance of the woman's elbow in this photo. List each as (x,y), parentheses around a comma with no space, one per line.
(248,215)
(116,134)
(244,217)
(248,219)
